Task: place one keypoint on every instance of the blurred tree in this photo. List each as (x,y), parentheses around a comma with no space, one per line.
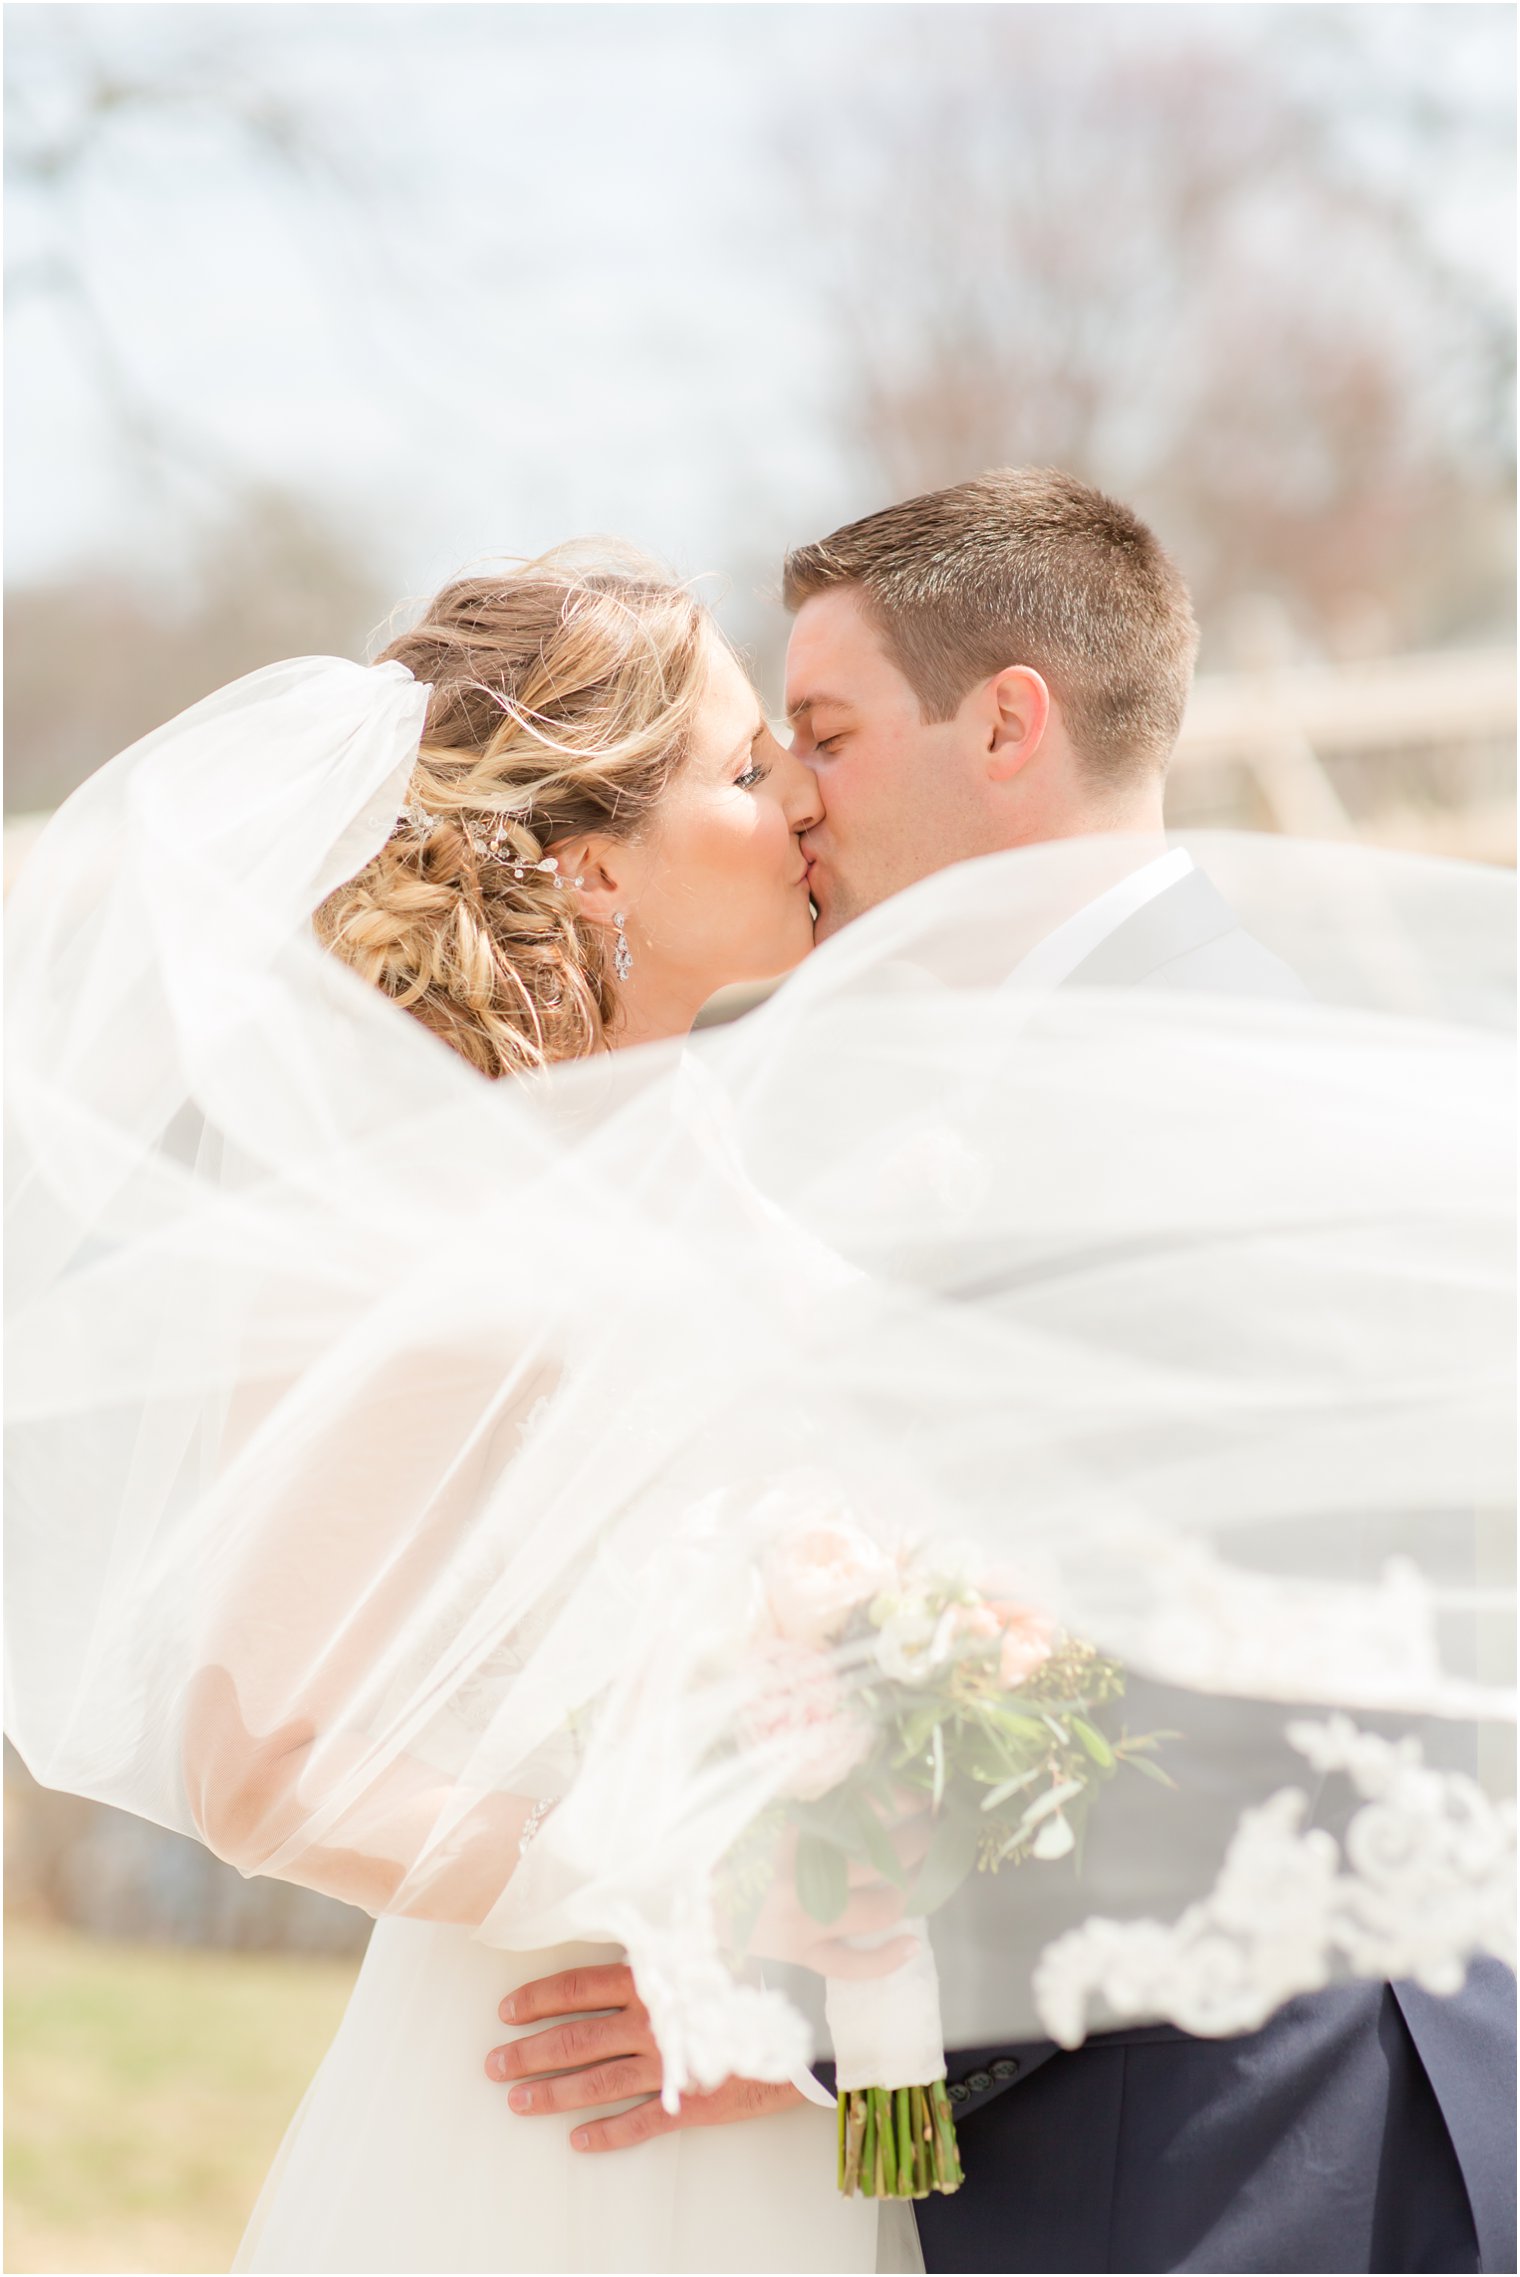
(74,1861)
(71,112)
(241,572)
(1203,270)
(100,657)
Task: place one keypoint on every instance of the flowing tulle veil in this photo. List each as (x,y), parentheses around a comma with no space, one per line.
(392,1450)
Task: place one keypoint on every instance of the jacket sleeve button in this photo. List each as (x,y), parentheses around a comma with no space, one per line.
(978,2080)
(958,2091)
(1006,2067)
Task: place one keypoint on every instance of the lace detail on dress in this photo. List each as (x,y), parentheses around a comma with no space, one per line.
(1428,1875)
(1214,1627)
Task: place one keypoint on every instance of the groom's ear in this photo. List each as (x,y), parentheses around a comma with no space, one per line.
(1017,713)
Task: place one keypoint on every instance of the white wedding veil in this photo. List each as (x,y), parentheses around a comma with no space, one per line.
(392,1451)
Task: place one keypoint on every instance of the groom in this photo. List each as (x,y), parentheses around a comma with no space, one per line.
(991,666)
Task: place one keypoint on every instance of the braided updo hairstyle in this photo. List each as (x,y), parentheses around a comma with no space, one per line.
(563,701)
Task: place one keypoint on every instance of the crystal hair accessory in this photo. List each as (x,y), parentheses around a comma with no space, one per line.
(489,846)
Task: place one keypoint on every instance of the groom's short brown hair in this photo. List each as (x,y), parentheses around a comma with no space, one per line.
(1024,565)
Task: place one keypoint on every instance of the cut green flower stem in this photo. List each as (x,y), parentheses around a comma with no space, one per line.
(898,2142)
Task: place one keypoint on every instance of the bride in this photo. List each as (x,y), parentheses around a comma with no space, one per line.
(397,1450)
(591,829)
(601,832)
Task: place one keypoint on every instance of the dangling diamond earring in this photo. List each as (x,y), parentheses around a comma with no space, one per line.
(622,955)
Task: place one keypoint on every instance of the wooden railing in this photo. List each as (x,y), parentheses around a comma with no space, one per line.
(1428,736)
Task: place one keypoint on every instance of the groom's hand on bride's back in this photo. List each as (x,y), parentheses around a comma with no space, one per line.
(601,2059)
(582,2061)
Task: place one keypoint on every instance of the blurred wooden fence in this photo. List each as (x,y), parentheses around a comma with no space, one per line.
(1412,751)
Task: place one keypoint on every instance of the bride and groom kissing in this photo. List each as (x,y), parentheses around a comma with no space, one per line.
(575,829)
(1367,2127)
(996,665)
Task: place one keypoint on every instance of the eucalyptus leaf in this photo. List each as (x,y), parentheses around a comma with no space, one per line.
(917,1727)
(1009,1787)
(1015,1719)
(1151,1770)
(1051,1800)
(877,1846)
(950,1858)
(835,1817)
(1094,1742)
(823,1878)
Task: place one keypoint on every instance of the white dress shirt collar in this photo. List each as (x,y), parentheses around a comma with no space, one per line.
(1055,958)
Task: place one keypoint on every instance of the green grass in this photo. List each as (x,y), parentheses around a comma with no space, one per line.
(147,2089)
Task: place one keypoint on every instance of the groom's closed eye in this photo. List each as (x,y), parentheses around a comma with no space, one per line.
(805,738)
(813,714)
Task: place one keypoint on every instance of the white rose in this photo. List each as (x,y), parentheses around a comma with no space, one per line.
(907,1648)
(818,1575)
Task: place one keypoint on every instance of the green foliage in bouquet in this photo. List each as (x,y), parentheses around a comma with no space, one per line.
(993,1717)
(1009,1772)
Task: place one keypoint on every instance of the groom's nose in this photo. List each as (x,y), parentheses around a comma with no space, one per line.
(804,798)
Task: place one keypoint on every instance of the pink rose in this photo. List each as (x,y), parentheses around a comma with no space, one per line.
(1028,1641)
(800,1710)
(817,1575)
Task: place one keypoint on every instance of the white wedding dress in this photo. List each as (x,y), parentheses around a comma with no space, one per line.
(404,2157)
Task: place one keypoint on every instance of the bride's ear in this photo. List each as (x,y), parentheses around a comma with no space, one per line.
(1018,713)
(598,870)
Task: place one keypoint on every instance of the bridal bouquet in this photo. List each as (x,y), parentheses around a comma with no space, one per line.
(900,1689)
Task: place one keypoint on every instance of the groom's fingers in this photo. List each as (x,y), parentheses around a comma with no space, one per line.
(608,1986)
(570,2046)
(735,2099)
(640,2125)
(869,1911)
(587,2090)
(831,1958)
(911,1838)
(908,1824)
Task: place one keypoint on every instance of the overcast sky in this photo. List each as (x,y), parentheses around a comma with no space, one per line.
(557,285)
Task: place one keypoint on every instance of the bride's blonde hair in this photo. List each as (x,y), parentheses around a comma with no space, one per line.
(564,692)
